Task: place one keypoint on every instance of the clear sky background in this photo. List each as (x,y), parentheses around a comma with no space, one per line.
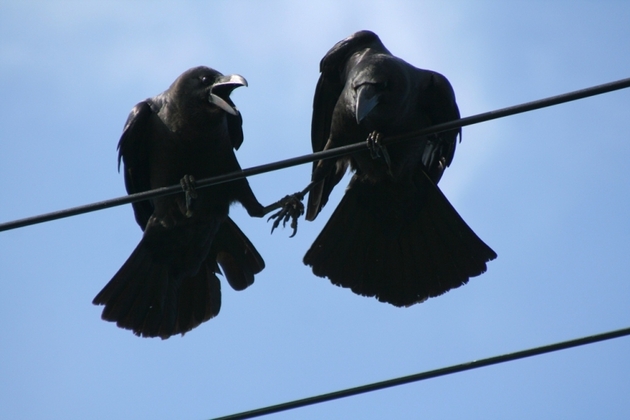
(548,190)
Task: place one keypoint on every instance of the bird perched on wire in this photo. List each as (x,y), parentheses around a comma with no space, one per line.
(394,235)
(169,284)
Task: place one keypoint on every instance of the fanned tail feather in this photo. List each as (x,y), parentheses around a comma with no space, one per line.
(145,296)
(399,243)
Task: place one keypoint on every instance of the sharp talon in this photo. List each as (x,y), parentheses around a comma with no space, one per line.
(294,226)
(372,143)
(292,209)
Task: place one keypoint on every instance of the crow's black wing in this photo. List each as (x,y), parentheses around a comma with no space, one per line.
(235,126)
(329,87)
(437,103)
(332,80)
(133,152)
(326,95)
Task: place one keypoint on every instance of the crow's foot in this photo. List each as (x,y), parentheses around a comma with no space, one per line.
(188,185)
(291,208)
(378,150)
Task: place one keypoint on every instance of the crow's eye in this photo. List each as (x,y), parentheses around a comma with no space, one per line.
(205,80)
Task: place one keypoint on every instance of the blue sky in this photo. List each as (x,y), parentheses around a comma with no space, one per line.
(547,190)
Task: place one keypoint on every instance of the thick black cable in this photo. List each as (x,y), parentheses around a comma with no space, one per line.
(427,375)
(327,154)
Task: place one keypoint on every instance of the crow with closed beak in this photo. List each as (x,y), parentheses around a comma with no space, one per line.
(394,235)
(169,284)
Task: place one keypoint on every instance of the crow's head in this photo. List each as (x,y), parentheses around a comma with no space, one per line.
(380,88)
(203,85)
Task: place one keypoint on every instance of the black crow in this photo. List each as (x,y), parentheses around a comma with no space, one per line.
(394,235)
(169,284)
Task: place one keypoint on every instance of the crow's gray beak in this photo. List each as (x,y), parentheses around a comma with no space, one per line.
(235,80)
(222,104)
(367,98)
(224,86)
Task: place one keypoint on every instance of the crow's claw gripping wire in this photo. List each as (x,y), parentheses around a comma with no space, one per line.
(378,150)
(188,185)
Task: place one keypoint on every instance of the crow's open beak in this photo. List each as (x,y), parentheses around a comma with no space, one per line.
(222,88)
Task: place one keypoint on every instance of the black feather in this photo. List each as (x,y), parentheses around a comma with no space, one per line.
(169,284)
(394,236)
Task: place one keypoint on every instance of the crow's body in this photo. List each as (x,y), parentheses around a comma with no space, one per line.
(169,284)
(394,235)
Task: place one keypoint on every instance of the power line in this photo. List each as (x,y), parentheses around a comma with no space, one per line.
(428,375)
(327,154)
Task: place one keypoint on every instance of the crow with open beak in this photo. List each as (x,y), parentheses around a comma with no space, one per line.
(169,284)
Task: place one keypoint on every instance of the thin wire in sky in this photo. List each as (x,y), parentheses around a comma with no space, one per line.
(428,375)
